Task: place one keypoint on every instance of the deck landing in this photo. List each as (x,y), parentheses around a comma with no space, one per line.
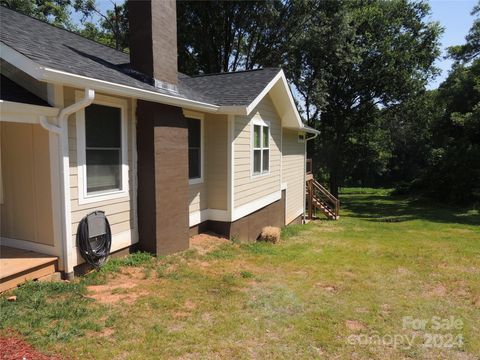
(18,266)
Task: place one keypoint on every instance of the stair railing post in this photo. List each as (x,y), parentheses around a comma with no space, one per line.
(310,200)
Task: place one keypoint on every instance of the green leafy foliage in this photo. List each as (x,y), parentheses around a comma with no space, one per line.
(53,11)
(454,165)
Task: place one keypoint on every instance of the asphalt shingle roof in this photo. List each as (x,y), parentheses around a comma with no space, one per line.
(66,51)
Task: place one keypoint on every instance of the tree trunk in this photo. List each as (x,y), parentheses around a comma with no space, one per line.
(333,181)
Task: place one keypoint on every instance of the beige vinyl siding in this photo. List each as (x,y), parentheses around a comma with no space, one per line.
(293,173)
(198,197)
(118,211)
(212,192)
(216,158)
(26,212)
(248,188)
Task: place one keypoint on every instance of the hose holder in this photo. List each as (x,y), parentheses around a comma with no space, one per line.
(94,238)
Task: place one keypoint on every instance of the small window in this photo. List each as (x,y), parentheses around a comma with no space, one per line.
(261,149)
(103,148)
(301,137)
(194,148)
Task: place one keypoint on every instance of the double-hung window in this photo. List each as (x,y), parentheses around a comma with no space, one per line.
(261,148)
(103,148)
(102,153)
(195,150)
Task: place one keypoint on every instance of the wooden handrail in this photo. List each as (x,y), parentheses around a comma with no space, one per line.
(319,194)
(324,191)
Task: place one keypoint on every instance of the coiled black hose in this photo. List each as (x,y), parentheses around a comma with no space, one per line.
(94,250)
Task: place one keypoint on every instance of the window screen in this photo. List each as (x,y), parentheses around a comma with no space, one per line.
(103,139)
(194,149)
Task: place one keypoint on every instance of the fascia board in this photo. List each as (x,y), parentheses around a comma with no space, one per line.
(50,75)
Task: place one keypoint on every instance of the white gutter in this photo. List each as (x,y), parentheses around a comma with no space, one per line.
(64,78)
(65,112)
(43,73)
(62,130)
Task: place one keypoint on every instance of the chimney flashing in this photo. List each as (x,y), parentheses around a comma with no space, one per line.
(159,84)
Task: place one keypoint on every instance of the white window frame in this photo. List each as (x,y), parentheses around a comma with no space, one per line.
(201,117)
(263,123)
(83,196)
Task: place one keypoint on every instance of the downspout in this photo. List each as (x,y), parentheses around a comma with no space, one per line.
(65,112)
(62,130)
(305,176)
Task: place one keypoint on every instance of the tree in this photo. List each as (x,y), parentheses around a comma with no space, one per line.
(354,58)
(453,173)
(410,133)
(471,49)
(113,25)
(220,36)
(52,11)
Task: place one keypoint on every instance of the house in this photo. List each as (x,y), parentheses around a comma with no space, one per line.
(84,127)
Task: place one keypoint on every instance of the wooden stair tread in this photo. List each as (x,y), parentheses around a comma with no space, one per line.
(14,261)
(320,198)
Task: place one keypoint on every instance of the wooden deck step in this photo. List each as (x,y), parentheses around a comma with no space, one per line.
(18,266)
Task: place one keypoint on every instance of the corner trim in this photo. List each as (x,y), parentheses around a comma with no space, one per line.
(298,213)
(231,166)
(200,216)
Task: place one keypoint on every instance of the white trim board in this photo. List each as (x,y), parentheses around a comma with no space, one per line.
(55,98)
(297,214)
(83,196)
(231,165)
(253,206)
(200,216)
(258,121)
(24,113)
(43,73)
(30,246)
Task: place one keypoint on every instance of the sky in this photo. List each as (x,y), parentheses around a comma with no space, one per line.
(453,15)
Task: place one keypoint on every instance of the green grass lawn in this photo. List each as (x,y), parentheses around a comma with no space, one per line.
(344,289)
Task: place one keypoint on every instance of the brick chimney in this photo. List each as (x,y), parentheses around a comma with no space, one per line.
(153,41)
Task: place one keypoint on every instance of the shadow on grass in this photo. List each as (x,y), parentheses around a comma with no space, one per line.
(395,208)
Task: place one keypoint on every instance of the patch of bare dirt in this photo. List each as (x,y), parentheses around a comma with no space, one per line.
(327,287)
(181,315)
(437,291)
(207,242)
(350,274)
(403,271)
(106,332)
(354,325)
(121,288)
(190,305)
